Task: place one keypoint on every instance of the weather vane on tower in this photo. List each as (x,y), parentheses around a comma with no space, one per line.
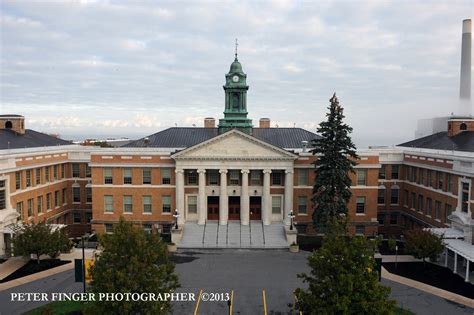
(236,44)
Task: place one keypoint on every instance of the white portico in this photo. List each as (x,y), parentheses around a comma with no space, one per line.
(234,176)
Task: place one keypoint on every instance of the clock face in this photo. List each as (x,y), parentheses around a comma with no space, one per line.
(235,78)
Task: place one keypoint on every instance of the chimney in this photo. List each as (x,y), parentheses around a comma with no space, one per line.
(15,123)
(264,123)
(209,122)
(465,85)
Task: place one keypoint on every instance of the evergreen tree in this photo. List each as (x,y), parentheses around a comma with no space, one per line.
(132,261)
(336,155)
(343,279)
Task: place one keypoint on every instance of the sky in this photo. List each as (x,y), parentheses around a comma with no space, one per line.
(131,68)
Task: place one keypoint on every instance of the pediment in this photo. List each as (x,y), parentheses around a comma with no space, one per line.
(234,145)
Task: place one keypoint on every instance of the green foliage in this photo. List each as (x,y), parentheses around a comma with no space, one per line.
(343,279)
(336,159)
(40,239)
(132,261)
(392,243)
(58,308)
(423,244)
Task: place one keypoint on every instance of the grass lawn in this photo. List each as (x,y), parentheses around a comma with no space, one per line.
(58,308)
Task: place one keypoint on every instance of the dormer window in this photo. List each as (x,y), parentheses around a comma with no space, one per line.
(463,126)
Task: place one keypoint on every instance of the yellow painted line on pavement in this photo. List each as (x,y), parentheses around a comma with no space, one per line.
(264,302)
(231,302)
(197,304)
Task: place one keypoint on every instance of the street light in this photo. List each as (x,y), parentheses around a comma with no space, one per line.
(176,215)
(291,216)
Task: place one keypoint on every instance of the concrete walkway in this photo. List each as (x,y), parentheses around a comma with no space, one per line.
(12,265)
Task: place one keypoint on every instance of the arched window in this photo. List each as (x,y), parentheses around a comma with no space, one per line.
(8,125)
(235,101)
(463,126)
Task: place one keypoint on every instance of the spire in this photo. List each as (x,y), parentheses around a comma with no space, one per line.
(236,45)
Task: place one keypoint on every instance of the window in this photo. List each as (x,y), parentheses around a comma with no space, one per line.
(108,179)
(360,205)
(429,206)
(462,126)
(166,204)
(302,205)
(146,175)
(76,170)
(234,177)
(28,178)
(127,175)
(255,178)
(395,170)
(19,209)
(47,173)
(465,197)
(62,171)
(76,194)
(381,196)
(48,201)
(55,172)
(38,176)
(213,176)
(422,177)
(166,176)
(88,171)
(381,218)
(109,203)
(18,180)
(302,177)
(382,172)
(437,210)
(147,204)
(88,217)
(394,196)
(413,200)
(421,205)
(192,177)
(76,217)
(415,174)
(64,196)
(405,198)
(277,178)
(361,177)
(393,219)
(276,204)
(3,197)
(440,180)
(447,211)
(109,228)
(192,204)
(56,198)
(88,194)
(449,182)
(360,230)
(147,228)
(430,178)
(30,207)
(127,204)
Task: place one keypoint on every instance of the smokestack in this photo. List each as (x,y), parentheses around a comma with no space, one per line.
(465,86)
(264,123)
(209,122)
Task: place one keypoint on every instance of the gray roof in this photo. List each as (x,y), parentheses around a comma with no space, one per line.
(9,139)
(463,141)
(184,137)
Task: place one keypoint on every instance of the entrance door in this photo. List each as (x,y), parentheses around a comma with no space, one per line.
(213,208)
(255,208)
(234,208)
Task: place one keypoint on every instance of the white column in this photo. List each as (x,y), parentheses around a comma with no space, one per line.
(266,199)
(244,199)
(223,199)
(202,200)
(180,195)
(455,262)
(288,196)
(446,257)
(467,271)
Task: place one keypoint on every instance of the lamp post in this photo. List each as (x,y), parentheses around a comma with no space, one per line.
(176,215)
(291,216)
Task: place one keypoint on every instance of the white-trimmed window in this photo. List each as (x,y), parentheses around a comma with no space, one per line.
(64,196)
(360,230)
(108,177)
(303,175)
(361,177)
(3,195)
(38,176)
(56,172)
(76,170)
(63,171)
(429,206)
(88,194)
(109,228)
(449,182)
(146,204)
(302,205)
(56,198)
(395,170)
(28,178)
(147,228)
(213,176)
(421,205)
(234,177)
(109,203)
(439,177)
(465,188)
(381,195)
(277,178)
(127,176)
(146,176)
(192,177)
(382,171)
(18,180)
(166,204)
(47,173)
(88,171)
(19,209)
(360,204)
(192,204)
(255,178)
(166,176)
(30,207)
(276,204)
(76,217)
(394,192)
(127,204)
(76,194)
(48,201)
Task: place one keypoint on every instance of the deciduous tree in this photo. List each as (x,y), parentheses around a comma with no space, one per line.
(423,244)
